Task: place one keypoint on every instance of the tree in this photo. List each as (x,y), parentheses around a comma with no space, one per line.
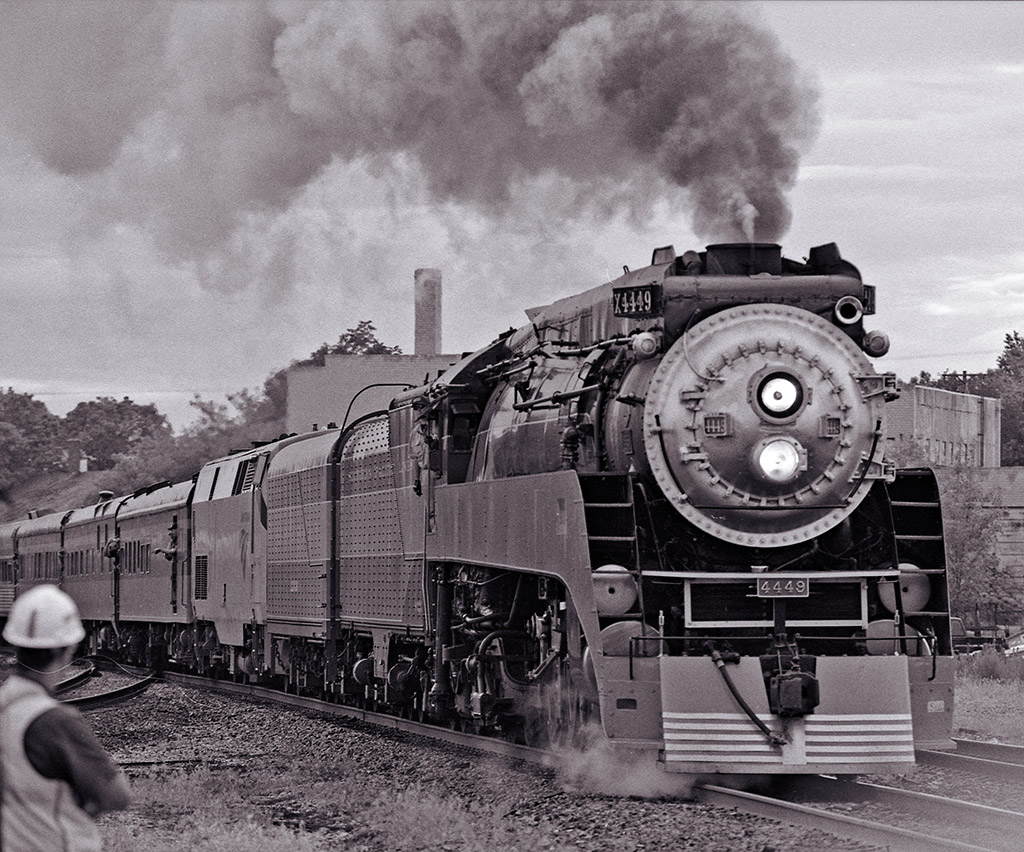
(264,411)
(12,450)
(1011,362)
(361,340)
(219,430)
(107,427)
(978,581)
(1008,385)
(907,452)
(1004,382)
(29,438)
(248,417)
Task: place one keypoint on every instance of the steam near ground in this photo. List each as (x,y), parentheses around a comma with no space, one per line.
(596,767)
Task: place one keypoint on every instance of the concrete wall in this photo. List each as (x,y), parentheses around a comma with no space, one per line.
(321,395)
(951,428)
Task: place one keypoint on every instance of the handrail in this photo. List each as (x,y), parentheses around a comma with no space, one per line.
(348,410)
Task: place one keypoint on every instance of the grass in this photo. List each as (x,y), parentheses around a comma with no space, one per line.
(306,809)
(989,696)
(218,811)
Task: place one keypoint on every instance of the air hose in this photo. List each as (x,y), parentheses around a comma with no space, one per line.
(773,738)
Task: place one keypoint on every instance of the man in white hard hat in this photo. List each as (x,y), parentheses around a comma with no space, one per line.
(56,777)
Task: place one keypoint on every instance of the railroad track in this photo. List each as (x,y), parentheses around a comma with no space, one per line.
(490,745)
(883,834)
(76,680)
(992,760)
(101,699)
(950,824)
(797,804)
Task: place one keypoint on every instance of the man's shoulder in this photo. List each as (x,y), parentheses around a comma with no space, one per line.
(61,722)
(18,690)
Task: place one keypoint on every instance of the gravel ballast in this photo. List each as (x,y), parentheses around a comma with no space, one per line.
(354,786)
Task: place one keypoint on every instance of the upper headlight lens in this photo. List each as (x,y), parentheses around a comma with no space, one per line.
(780,460)
(780,395)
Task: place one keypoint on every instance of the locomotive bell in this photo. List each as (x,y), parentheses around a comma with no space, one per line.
(614,590)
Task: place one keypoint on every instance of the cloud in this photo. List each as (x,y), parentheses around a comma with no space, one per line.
(873,173)
(77,77)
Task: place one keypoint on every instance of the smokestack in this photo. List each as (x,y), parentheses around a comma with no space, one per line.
(428,312)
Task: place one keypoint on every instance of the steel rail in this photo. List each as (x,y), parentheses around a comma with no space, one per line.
(991,760)
(852,828)
(113,696)
(992,751)
(75,680)
(1009,823)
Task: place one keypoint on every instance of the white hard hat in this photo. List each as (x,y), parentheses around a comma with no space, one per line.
(44,617)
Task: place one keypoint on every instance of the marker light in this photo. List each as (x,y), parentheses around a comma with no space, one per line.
(646,345)
(780,460)
(779,395)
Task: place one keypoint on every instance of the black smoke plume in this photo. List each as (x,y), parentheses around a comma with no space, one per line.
(196,119)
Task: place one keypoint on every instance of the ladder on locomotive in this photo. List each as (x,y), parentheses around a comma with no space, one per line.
(611,526)
(917,525)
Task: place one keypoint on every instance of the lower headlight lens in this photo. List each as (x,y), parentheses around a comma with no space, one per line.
(779,460)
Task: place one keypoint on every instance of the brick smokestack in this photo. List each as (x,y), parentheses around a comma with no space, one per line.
(428,312)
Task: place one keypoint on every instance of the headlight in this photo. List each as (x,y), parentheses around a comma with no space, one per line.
(779,395)
(780,459)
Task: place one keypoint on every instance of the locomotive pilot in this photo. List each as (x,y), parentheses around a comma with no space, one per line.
(55,776)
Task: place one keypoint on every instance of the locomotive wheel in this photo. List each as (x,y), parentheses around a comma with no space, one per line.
(557,714)
(578,717)
(562,713)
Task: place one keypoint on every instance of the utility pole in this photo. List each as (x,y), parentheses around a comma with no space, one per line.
(965,378)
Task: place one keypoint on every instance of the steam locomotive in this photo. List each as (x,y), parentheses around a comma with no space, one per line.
(661,507)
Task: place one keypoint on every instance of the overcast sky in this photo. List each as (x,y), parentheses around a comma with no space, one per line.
(192,195)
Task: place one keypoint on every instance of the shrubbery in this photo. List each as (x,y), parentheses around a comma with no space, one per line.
(990,664)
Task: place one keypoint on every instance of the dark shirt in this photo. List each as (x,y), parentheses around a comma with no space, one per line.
(60,745)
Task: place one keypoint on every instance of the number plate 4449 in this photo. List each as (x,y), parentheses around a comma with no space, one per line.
(783,587)
(642,301)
